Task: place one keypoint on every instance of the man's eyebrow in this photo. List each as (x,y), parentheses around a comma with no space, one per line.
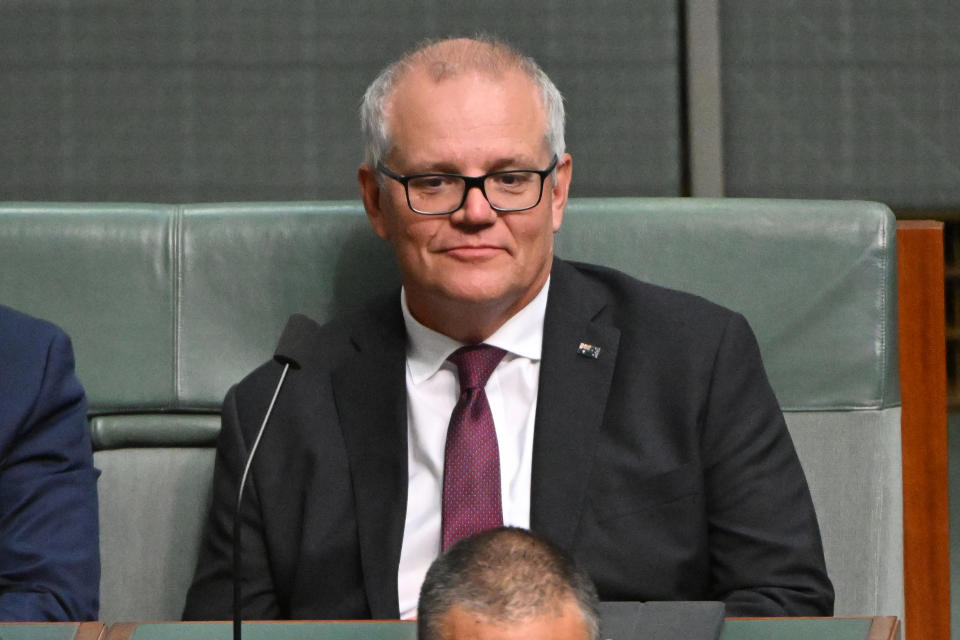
(502,164)
(440,167)
(511,163)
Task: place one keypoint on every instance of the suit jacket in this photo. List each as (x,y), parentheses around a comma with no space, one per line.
(49,545)
(663,465)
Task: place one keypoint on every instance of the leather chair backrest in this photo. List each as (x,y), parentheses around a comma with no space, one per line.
(169,305)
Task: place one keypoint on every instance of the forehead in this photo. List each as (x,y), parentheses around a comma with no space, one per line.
(460,623)
(471,116)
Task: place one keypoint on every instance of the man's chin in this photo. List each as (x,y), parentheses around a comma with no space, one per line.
(476,282)
(477,296)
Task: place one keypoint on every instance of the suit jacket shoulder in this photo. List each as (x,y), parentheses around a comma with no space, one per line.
(322,538)
(626,301)
(329,346)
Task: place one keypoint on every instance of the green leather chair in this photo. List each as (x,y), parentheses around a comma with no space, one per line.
(169,305)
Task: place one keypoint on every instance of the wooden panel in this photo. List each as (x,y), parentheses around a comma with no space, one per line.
(924,429)
(884,628)
(90,631)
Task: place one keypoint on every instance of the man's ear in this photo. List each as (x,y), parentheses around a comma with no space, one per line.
(561,189)
(370,193)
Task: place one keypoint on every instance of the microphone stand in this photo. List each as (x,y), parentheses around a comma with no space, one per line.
(237,624)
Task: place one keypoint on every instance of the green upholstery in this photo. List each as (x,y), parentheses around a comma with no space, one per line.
(104,273)
(816,280)
(245,268)
(169,305)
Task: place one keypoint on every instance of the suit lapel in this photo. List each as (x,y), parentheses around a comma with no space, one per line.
(371,401)
(570,403)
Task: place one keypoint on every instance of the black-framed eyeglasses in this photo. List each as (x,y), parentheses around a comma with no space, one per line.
(437,194)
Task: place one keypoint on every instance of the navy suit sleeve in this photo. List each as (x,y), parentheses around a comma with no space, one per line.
(49,546)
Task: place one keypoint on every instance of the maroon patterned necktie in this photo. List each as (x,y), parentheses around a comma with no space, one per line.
(471,464)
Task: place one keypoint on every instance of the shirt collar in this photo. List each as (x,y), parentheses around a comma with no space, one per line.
(521,335)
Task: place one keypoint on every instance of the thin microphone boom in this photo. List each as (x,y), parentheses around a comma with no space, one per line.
(295,340)
(236,513)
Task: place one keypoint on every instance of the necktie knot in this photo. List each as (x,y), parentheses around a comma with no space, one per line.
(475,363)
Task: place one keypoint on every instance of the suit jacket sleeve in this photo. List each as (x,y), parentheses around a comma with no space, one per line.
(49,545)
(766,556)
(323,506)
(211,594)
(681,481)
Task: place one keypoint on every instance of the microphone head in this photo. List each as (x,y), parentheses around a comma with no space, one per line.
(295,342)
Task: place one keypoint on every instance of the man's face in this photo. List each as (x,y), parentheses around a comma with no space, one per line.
(462,624)
(474,259)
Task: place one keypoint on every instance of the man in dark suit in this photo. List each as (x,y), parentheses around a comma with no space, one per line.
(630,425)
(49,544)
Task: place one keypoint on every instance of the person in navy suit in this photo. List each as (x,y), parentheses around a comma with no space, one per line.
(635,426)
(49,544)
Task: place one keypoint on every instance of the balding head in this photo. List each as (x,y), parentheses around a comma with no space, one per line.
(444,59)
(507,579)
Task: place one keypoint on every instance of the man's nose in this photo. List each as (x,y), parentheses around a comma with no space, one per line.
(475,210)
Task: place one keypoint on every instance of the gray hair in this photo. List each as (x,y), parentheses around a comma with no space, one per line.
(445,59)
(505,575)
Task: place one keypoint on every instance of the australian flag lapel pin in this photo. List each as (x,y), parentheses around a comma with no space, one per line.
(588,350)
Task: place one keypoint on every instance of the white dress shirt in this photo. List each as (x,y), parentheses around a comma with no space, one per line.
(432,391)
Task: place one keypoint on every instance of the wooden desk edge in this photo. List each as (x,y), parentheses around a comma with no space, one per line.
(884,628)
(90,631)
(120,630)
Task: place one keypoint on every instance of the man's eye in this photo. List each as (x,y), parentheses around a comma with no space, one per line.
(512,180)
(431,183)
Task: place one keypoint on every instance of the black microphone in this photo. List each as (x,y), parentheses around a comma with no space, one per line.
(294,345)
(297,342)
